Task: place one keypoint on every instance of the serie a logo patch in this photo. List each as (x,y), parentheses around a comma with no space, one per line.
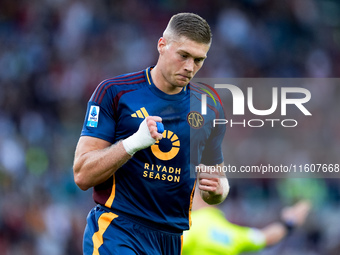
(195,119)
(92,120)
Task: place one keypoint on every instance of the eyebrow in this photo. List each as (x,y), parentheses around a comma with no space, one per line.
(185,52)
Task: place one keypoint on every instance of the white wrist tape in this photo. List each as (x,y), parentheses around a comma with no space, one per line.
(225,184)
(139,140)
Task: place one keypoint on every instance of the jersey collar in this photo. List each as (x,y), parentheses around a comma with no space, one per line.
(160,93)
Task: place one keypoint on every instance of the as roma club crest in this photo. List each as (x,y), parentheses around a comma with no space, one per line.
(195,120)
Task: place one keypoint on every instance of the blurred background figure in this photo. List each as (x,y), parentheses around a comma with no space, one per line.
(211,233)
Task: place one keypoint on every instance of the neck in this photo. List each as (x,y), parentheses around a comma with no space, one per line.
(162,84)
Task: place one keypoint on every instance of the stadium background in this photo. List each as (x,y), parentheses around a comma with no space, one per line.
(53,53)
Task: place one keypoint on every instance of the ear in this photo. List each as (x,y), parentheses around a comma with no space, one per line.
(161,45)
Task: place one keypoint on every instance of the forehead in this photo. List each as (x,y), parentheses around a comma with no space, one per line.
(195,49)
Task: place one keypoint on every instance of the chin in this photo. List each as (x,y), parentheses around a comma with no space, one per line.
(182,83)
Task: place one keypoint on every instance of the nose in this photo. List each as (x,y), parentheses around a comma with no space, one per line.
(189,65)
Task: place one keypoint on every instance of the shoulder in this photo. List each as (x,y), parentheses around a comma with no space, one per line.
(206,96)
(195,90)
(119,84)
(199,89)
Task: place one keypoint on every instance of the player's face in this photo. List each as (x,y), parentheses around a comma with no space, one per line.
(181,59)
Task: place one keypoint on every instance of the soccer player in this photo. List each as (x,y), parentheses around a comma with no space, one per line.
(212,234)
(141,175)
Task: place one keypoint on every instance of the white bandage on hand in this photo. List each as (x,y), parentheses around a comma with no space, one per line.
(225,184)
(139,140)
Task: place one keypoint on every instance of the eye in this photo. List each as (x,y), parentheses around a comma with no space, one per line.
(198,60)
(184,56)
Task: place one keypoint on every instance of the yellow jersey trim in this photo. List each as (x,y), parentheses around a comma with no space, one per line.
(109,201)
(147,75)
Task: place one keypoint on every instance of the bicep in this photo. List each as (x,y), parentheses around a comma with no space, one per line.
(88,143)
(91,165)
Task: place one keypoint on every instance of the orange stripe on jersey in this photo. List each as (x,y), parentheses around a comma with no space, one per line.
(181,244)
(104,222)
(113,193)
(191,198)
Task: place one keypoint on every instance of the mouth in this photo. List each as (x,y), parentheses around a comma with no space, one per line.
(184,77)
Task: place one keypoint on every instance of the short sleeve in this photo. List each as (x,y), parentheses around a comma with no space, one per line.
(100,120)
(213,153)
(253,240)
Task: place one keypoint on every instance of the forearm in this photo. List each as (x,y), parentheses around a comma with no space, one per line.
(96,166)
(96,160)
(274,233)
(291,217)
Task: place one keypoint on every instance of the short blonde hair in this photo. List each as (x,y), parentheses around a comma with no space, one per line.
(190,25)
